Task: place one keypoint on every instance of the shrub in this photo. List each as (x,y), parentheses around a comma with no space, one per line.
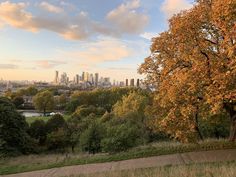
(90,139)
(13,130)
(57,121)
(57,140)
(122,137)
(38,131)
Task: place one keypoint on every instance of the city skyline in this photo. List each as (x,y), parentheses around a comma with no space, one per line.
(39,37)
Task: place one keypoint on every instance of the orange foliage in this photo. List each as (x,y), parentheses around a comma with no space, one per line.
(193,67)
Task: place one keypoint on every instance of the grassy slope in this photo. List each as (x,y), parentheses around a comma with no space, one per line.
(38,162)
(223,169)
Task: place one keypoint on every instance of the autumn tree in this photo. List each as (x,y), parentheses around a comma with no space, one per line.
(193,68)
(44,101)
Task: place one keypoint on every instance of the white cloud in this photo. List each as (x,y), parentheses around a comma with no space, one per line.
(8,66)
(15,15)
(127,19)
(148,35)
(50,8)
(78,27)
(171,7)
(48,64)
(102,50)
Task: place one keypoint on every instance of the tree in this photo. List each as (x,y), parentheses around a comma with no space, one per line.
(18,101)
(13,129)
(133,103)
(90,139)
(193,68)
(121,137)
(44,101)
(57,139)
(38,131)
(56,122)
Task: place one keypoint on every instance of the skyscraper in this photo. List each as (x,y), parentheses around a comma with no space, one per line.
(77,79)
(126,82)
(83,76)
(132,82)
(138,82)
(56,80)
(96,79)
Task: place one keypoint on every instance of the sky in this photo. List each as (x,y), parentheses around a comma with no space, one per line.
(111,37)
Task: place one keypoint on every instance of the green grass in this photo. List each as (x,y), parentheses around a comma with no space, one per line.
(30,120)
(223,169)
(47,161)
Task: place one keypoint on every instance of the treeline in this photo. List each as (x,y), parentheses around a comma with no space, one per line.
(117,119)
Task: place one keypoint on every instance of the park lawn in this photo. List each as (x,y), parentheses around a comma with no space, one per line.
(30,120)
(47,161)
(222,169)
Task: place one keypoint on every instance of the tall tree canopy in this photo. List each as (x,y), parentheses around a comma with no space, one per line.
(44,101)
(193,68)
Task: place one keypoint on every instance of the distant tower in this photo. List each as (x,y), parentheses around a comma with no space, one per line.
(77,79)
(83,76)
(96,79)
(56,80)
(126,82)
(138,82)
(132,82)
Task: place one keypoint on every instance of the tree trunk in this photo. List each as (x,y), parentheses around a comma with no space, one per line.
(44,111)
(232,136)
(230,108)
(197,129)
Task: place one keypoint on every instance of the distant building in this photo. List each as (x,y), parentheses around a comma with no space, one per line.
(126,82)
(77,79)
(138,83)
(96,79)
(64,79)
(132,82)
(56,80)
(83,76)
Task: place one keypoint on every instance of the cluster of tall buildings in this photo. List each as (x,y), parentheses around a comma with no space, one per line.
(88,79)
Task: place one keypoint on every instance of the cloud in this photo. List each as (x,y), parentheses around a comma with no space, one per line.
(50,8)
(76,27)
(15,15)
(148,35)
(48,64)
(8,66)
(126,18)
(102,50)
(171,7)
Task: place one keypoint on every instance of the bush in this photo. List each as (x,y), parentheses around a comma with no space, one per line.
(83,111)
(13,130)
(38,131)
(57,121)
(57,140)
(122,137)
(90,139)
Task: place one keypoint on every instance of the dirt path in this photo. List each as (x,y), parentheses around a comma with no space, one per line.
(174,159)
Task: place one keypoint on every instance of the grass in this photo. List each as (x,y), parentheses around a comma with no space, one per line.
(30,120)
(223,169)
(47,161)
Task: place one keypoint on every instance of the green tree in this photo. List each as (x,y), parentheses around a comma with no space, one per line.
(57,140)
(56,122)
(132,103)
(121,137)
(18,101)
(44,101)
(13,129)
(90,139)
(38,131)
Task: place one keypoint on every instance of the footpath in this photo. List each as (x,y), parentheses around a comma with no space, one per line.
(173,159)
